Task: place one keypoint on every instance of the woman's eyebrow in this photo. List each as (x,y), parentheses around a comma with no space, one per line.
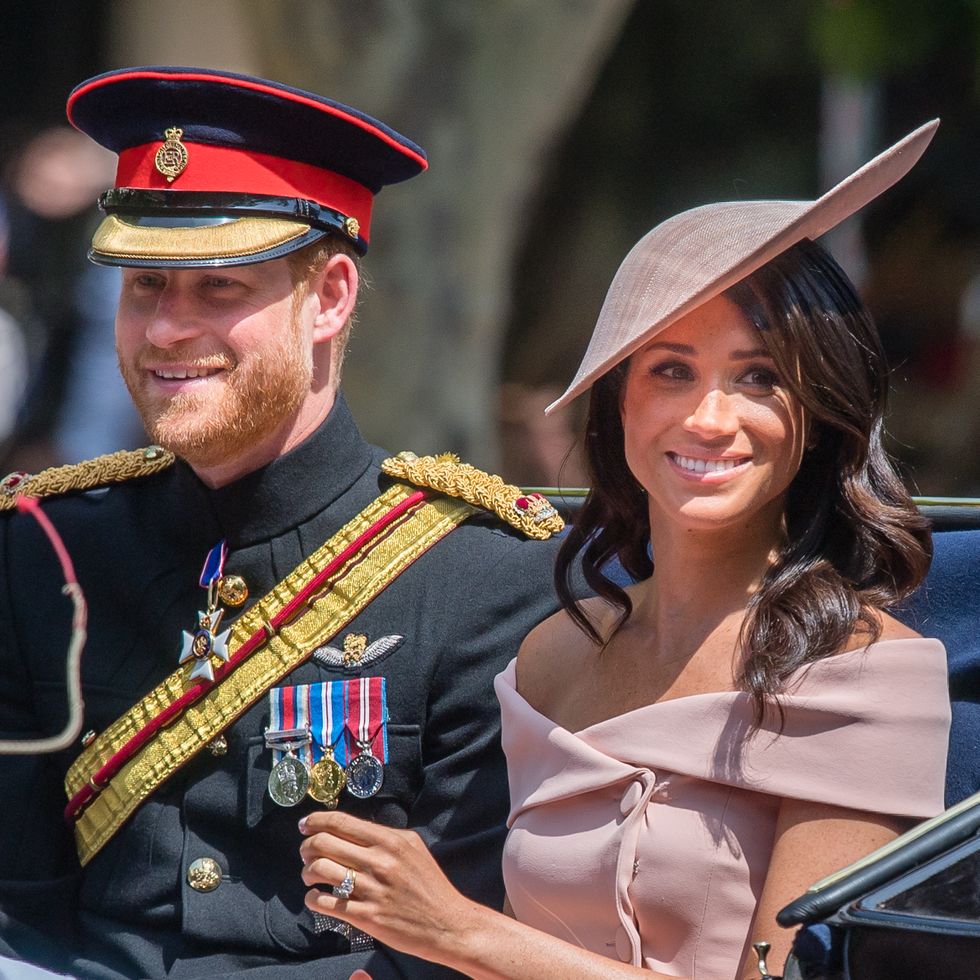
(736,355)
(745,355)
(675,348)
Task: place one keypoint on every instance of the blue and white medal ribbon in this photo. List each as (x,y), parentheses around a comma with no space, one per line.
(214,568)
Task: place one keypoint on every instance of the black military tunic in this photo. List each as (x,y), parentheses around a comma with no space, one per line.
(138,548)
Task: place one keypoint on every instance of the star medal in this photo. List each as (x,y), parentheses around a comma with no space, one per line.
(365,773)
(206,641)
(289,780)
(327,780)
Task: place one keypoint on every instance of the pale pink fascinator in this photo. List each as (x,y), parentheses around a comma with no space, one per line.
(692,257)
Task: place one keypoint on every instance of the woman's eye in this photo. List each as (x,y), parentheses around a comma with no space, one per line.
(760,377)
(672,371)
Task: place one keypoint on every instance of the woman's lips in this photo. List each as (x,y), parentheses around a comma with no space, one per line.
(713,469)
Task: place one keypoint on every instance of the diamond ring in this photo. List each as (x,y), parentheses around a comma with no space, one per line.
(346,888)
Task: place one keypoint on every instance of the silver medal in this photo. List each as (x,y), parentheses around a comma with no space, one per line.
(289,781)
(365,774)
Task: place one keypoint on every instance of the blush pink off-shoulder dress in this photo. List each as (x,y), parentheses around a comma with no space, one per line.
(647,837)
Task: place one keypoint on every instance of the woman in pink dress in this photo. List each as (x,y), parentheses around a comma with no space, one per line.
(688,753)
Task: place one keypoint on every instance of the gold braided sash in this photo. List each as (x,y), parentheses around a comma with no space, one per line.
(363,575)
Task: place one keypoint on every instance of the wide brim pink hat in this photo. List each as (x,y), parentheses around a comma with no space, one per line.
(696,255)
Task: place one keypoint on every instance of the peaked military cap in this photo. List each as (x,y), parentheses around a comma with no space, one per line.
(217,168)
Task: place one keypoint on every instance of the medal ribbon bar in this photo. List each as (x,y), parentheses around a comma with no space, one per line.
(366,721)
(290,710)
(327,720)
(319,707)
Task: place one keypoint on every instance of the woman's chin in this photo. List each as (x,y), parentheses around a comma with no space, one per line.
(716,514)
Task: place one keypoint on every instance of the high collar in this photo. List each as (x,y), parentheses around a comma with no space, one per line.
(288,491)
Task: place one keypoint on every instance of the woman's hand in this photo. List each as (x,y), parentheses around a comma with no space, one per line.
(400,895)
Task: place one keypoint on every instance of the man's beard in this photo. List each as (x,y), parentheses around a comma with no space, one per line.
(253,397)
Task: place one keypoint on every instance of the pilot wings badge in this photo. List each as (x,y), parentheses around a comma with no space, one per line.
(356,652)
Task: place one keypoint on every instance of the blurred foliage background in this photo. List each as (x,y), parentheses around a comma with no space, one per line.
(559,131)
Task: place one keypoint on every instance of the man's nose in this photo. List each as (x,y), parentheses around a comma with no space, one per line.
(175,317)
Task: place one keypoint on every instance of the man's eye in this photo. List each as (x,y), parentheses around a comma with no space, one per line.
(147,281)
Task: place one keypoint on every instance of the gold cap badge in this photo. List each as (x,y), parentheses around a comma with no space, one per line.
(171,158)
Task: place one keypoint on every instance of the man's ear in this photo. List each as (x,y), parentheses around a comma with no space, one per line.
(335,288)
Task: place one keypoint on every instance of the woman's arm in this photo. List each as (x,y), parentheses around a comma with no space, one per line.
(402,898)
(812,840)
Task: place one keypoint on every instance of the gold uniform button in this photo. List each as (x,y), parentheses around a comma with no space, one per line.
(232,590)
(204,875)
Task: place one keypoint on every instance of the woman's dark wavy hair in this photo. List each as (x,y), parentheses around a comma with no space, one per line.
(854,541)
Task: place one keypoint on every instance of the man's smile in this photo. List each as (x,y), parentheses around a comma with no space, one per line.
(183,374)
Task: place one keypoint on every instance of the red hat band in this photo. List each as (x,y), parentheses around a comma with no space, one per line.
(207,168)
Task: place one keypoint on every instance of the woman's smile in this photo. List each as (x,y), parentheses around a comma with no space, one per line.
(708,469)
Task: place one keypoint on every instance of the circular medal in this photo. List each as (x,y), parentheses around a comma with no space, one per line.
(365,774)
(288,781)
(232,590)
(327,780)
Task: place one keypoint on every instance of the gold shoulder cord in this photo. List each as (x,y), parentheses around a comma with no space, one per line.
(530,513)
(102,471)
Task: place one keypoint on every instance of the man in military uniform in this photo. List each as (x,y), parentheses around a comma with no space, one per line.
(279,616)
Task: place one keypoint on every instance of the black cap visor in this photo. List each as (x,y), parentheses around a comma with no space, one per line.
(151,229)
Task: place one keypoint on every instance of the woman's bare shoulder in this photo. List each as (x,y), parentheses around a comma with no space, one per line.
(556,648)
(895,629)
(889,628)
